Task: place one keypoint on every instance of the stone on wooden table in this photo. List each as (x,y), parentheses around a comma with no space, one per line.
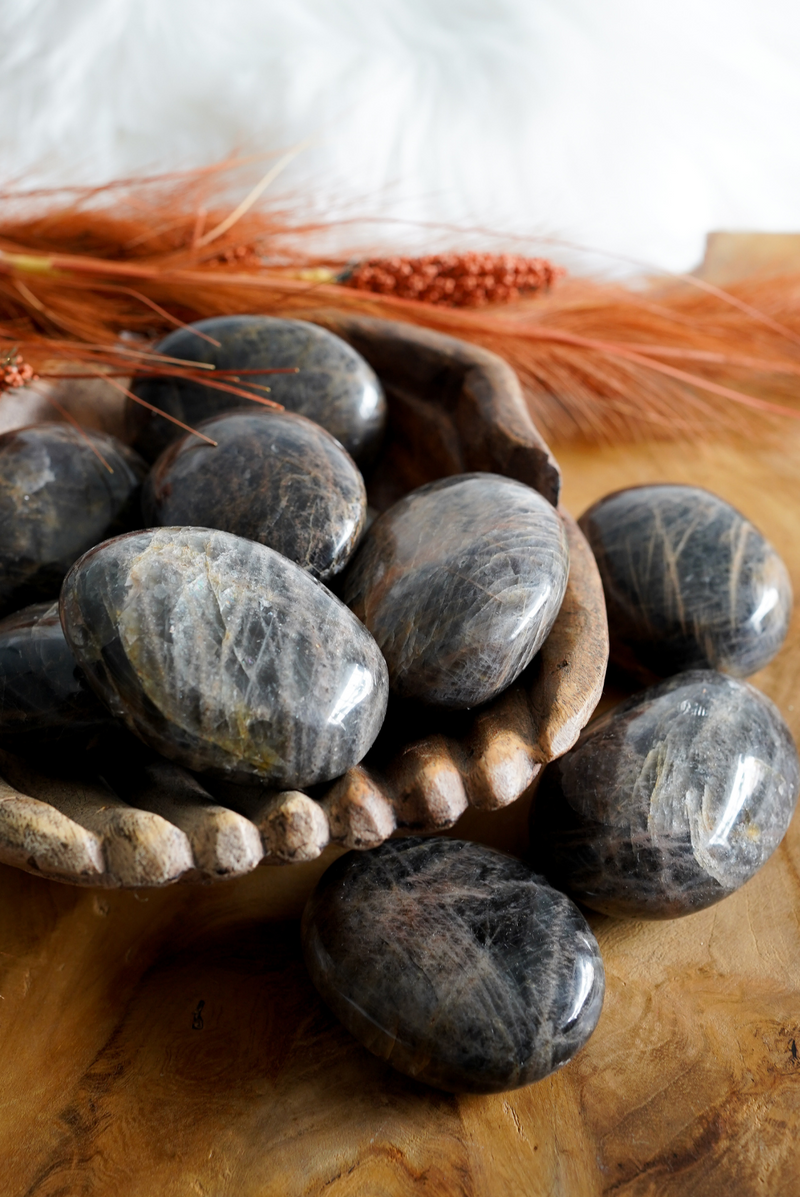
(455,962)
(334,386)
(274,477)
(46,705)
(459,583)
(58,499)
(223,655)
(689,582)
(670,801)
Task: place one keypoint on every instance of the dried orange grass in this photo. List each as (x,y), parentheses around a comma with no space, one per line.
(597,361)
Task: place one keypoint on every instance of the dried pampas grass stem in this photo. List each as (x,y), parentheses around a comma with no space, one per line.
(90,281)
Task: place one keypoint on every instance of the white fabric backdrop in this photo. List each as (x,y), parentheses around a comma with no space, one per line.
(632,126)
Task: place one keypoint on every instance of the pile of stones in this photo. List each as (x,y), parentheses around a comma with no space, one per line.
(225,596)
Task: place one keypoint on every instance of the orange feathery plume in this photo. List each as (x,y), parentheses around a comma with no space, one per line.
(88,286)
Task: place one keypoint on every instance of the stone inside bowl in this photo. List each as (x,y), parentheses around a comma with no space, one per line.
(453,408)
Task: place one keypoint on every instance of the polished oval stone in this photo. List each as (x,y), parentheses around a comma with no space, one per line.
(459,583)
(454,962)
(689,582)
(57,499)
(670,801)
(45,702)
(224,656)
(335,387)
(274,477)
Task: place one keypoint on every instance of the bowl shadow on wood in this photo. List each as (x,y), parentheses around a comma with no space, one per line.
(453,408)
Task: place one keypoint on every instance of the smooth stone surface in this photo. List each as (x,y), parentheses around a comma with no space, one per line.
(45,702)
(224,656)
(335,387)
(57,500)
(689,582)
(670,801)
(274,477)
(459,583)
(454,962)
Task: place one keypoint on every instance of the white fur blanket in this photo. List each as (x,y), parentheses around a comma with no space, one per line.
(632,126)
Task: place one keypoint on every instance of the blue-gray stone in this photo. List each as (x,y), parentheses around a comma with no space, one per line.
(670,801)
(454,962)
(274,477)
(335,386)
(460,583)
(224,656)
(689,582)
(46,706)
(57,499)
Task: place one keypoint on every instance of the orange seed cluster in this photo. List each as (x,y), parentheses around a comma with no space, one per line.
(468,280)
(15,372)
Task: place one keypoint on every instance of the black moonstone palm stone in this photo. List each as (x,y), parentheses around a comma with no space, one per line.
(460,583)
(274,477)
(57,499)
(454,962)
(689,582)
(334,385)
(224,656)
(670,801)
(46,705)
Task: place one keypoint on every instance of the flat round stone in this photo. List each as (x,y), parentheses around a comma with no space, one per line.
(224,656)
(45,702)
(274,477)
(454,962)
(670,801)
(335,387)
(689,582)
(460,583)
(57,499)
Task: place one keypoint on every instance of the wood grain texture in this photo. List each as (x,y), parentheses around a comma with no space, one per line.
(690,1085)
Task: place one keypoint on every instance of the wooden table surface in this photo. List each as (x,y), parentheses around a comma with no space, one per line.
(169,1042)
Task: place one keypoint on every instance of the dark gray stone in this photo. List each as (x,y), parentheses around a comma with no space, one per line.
(670,801)
(689,582)
(45,702)
(460,583)
(57,499)
(274,477)
(335,387)
(454,962)
(224,656)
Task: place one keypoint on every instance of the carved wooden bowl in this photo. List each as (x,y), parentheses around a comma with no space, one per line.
(453,408)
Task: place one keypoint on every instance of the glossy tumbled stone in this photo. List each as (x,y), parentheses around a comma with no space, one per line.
(57,499)
(670,801)
(273,477)
(459,583)
(689,582)
(334,386)
(45,702)
(454,962)
(224,656)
